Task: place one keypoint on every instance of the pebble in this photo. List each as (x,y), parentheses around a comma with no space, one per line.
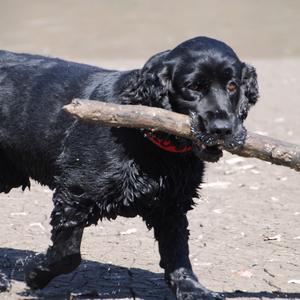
(217,185)
(129,231)
(296,281)
(234,160)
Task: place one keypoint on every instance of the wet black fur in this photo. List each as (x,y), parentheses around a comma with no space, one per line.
(100,172)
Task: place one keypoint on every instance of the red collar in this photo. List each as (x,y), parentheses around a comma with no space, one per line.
(167,145)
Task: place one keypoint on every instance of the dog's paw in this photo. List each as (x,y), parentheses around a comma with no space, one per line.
(188,290)
(37,271)
(4,283)
(187,287)
(198,294)
(40,269)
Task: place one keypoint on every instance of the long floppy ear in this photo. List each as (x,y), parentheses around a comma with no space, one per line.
(155,63)
(249,82)
(249,90)
(149,86)
(156,80)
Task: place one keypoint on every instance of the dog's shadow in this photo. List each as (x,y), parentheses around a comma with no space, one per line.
(94,280)
(91,280)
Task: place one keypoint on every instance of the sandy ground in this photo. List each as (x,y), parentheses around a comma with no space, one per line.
(245,230)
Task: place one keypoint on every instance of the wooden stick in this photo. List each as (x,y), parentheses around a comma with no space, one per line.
(157,119)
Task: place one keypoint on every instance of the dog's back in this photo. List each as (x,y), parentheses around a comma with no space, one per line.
(37,137)
(33,90)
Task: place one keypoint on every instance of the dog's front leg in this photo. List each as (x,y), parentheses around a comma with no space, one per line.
(172,235)
(61,258)
(4,283)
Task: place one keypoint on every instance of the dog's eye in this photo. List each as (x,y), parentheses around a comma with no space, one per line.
(231,87)
(194,86)
(198,86)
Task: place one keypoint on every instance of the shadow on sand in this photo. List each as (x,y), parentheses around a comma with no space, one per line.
(93,280)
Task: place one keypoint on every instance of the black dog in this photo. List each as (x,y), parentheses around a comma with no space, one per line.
(99,172)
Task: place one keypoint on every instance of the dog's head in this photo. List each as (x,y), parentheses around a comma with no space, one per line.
(205,79)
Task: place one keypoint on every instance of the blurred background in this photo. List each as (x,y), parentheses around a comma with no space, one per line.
(99,30)
(245,229)
(124,34)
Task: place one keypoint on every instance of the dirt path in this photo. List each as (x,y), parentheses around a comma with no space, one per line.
(245,230)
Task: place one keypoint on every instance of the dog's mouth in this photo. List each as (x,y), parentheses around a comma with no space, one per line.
(211,145)
(213,141)
(211,148)
(234,140)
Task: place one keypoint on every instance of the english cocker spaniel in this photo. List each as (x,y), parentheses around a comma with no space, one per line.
(100,172)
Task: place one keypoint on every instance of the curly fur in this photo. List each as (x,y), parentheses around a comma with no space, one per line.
(98,172)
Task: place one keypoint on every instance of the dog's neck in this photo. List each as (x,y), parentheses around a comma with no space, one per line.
(135,91)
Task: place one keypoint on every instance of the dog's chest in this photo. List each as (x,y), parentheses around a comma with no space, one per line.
(139,189)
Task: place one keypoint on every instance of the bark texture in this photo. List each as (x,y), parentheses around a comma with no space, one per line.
(157,119)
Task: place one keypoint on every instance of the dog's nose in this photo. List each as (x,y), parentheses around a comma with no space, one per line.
(220,127)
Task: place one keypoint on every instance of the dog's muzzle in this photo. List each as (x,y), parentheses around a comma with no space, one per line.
(220,133)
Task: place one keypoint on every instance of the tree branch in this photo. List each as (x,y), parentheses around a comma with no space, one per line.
(157,119)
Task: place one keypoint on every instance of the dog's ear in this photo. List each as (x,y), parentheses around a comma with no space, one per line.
(157,68)
(249,90)
(156,79)
(249,83)
(155,64)
(149,85)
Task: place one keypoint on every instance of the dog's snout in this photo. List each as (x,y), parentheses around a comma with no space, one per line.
(220,127)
